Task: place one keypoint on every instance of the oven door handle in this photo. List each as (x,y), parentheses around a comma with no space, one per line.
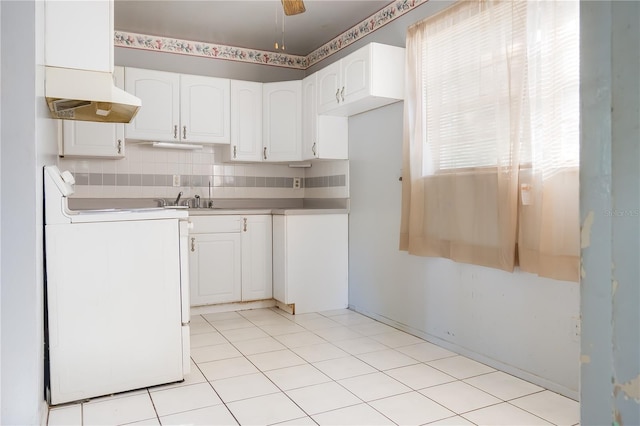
(184,271)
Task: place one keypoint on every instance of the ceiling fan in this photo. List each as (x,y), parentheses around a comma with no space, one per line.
(293,7)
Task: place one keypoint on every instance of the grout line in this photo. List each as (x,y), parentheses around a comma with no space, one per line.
(155,410)
(533,414)
(267,377)
(331,379)
(355,356)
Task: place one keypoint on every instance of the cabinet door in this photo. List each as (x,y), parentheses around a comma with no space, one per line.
(256,258)
(309,110)
(282,116)
(88,139)
(214,268)
(79,26)
(246,121)
(159,116)
(329,85)
(332,137)
(323,136)
(355,75)
(204,109)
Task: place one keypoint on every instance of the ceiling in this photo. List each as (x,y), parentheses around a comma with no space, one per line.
(244,23)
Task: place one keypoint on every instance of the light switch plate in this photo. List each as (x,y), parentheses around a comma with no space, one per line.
(176,180)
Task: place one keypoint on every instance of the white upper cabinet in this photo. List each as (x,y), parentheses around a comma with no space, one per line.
(323,136)
(282,121)
(79,26)
(179,108)
(91,139)
(204,109)
(246,121)
(159,117)
(366,79)
(329,85)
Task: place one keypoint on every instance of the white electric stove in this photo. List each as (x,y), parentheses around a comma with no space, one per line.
(117,296)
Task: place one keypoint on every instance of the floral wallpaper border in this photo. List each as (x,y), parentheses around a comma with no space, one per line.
(364,28)
(208,50)
(239,54)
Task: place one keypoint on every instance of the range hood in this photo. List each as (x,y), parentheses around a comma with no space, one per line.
(74,94)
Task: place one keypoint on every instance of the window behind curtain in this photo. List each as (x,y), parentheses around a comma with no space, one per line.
(491,136)
(468,100)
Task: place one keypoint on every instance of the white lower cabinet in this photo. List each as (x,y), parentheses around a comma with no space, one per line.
(230,259)
(310,261)
(215,269)
(256,238)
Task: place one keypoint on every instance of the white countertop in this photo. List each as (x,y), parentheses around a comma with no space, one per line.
(224,211)
(247,211)
(309,211)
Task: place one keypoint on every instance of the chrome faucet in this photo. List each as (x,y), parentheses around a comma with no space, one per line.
(178,198)
(161,202)
(196,202)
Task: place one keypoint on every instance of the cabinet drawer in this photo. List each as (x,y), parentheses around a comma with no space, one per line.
(218,224)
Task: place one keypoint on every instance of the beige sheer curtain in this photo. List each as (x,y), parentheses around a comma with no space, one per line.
(549,239)
(473,108)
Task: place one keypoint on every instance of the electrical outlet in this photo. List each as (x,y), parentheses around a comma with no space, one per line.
(296,183)
(176,180)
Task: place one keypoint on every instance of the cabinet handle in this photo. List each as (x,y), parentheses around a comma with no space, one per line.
(193,244)
(184,131)
(342,93)
(244,226)
(313,149)
(175,131)
(119,146)
(338,95)
(264,153)
(235,151)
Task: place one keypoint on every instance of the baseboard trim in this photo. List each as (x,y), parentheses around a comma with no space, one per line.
(509,369)
(230,307)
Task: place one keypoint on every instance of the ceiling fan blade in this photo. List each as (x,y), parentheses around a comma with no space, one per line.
(293,7)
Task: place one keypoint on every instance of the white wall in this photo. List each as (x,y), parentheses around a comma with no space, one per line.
(517,322)
(27,143)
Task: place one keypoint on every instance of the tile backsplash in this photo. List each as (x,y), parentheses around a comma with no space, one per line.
(148,172)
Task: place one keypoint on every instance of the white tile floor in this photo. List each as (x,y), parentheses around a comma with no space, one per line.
(263,366)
